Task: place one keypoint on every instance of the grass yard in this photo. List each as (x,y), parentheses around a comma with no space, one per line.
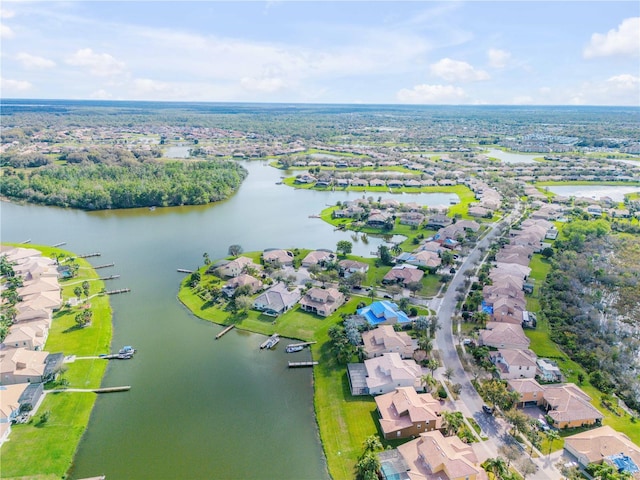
(47,451)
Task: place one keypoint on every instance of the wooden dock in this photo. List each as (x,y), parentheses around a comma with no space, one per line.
(184,270)
(226,330)
(302,364)
(115,292)
(303,344)
(124,388)
(88,255)
(26,241)
(104,266)
(59,244)
(110,277)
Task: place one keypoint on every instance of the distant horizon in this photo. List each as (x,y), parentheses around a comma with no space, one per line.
(403,105)
(318,52)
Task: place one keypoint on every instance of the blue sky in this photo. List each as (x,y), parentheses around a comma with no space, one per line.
(538,53)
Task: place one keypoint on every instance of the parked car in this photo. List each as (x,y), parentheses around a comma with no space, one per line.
(487,409)
(542,425)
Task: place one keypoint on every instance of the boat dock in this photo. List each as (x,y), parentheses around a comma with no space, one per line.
(223,332)
(184,270)
(124,388)
(110,277)
(88,255)
(59,244)
(115,292)
(302,364)
(270,342)
(104,266)
(303,344)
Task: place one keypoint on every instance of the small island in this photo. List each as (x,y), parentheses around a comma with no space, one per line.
(59,311)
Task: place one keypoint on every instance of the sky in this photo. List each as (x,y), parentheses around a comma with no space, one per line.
(374,52)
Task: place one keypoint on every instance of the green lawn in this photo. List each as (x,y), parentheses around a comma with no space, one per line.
(49,450)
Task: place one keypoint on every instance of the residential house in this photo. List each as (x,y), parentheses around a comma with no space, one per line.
(405,413)
(278,299)
(604,444)
(254,285)
(384,339)
(478,211)
(379,219)
(347,267)
(424,258)
(389,371)
(322,302)
(530,391)
(569,406)
(350,212)
(433,456)
(403,274)
(504,335)
(514,363)
(30,335)
(277,256)
(236,267)
(548,371)
(438,221)
(412,218)
(39,285)
(9,407)
(318,257)
(383,313)
(19,365)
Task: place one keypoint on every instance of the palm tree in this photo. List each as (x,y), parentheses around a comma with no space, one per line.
(497,466)
(372,444)
(367,468)
(448,373)
(551,435)
(426,344)
(452,422)
(428,382)
(432,365)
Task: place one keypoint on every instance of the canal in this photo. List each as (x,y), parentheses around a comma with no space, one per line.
(198,408)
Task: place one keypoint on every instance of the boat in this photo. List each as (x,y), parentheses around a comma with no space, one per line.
(294,348)
(152,208)
(270,342)
(127,350)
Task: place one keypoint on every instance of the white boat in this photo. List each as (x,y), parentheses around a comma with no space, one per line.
(271,341)
(294,348)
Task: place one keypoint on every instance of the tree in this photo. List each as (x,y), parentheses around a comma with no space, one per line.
(414,287)
(344,246)
(425,343)
(243,303)
(547,252)
(551,435)
(372,444)
(77,291)
(207,260)
(86,288)
(433,325)
(448,373)
(367,467)
(235,250)
(526,467)
(428,382)
(518,419)
(83,318)
(385,255)
(433,365)
(497,466)
(510,452)
(452,422)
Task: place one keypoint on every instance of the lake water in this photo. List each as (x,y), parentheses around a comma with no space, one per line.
(615,192)
(509,157)
(198,408)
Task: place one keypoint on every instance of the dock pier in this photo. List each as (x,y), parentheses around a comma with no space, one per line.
(110,277)
(303,344)
(104,266)
(115,292)
(302,364)
(88,255)
(184,270)
(225,331)
(59,244)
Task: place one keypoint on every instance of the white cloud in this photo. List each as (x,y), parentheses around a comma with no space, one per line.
(6,32)
(439,94)
(625,40)
(10,86)
(4,13)
(267,84)
(625,82)
(498,58)
(456,71)
(33,61)
(99,64)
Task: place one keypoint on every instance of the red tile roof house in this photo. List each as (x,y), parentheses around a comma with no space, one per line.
(323,302)
(240,281)
(569,406)
(412,218)
(405,413)
(602,444)
(236,267)
(504,335)
(384,339)
(529,390)
(514,363)
(389,371)
(283,257)
(403,274)
(318,257)
(435,457)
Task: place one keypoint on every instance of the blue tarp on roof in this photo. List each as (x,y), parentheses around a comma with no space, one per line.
(624,463)
(380,312)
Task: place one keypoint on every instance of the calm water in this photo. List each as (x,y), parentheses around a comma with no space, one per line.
(509,157)
(198,408)
(615,192)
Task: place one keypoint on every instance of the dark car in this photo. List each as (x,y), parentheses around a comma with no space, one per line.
(487,409)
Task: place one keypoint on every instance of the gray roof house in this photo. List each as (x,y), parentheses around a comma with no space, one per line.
(276,300)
